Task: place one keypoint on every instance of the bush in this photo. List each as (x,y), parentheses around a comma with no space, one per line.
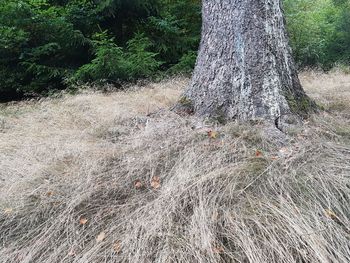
(319,31)
(114,64)
(186,63)
(143,63)
(44,43)
(38,48)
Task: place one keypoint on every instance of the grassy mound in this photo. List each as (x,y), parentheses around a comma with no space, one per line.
(97,178)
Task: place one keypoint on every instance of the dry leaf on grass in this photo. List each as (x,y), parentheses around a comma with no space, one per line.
(218,250)
(138,184)
(330,214)
(101,237)
(215,216)
(83,221)
(155,183)
(213,134)
(71,253)
(8,210)
(285,151)
(117,247)
(258,153)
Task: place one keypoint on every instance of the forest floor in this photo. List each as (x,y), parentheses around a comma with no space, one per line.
(117,177)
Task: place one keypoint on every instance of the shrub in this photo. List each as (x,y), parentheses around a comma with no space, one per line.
(186,63)
(38,48)
(114,64)
(43,43)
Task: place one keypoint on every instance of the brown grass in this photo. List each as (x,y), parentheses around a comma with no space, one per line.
(96,178)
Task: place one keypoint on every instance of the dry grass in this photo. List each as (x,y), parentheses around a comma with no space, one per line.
(330,90)
(79,182)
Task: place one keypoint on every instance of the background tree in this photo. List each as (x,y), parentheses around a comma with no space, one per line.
(49,45)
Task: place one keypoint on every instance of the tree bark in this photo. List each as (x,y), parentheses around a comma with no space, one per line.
(245,68)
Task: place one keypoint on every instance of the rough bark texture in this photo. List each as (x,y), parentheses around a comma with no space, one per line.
(245,69)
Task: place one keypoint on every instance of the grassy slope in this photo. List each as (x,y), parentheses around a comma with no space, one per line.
(79,182)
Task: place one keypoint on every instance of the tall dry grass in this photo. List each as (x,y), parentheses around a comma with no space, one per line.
(97,178)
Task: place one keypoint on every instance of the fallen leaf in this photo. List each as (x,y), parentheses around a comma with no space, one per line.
(218,250)
(331,214)
(285,151)
(117,247)
(155,183)
(215,216)
(138,184)
(8,210)
(83,221)
(55,203)
(212,134)
(334,217)
(101,237)
(258,153)
(301,136)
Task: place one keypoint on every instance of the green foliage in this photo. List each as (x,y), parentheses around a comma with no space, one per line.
(339,48)
(319,31)
(186,63)
(112,63)
(142,62)
(47,45)
(38,47)
(108,63)
(176,31)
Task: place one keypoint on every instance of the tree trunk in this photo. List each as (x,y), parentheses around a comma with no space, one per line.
(245,69)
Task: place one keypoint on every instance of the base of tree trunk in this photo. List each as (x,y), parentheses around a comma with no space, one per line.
(245,70)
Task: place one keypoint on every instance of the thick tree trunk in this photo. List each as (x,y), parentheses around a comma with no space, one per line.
(245,69)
